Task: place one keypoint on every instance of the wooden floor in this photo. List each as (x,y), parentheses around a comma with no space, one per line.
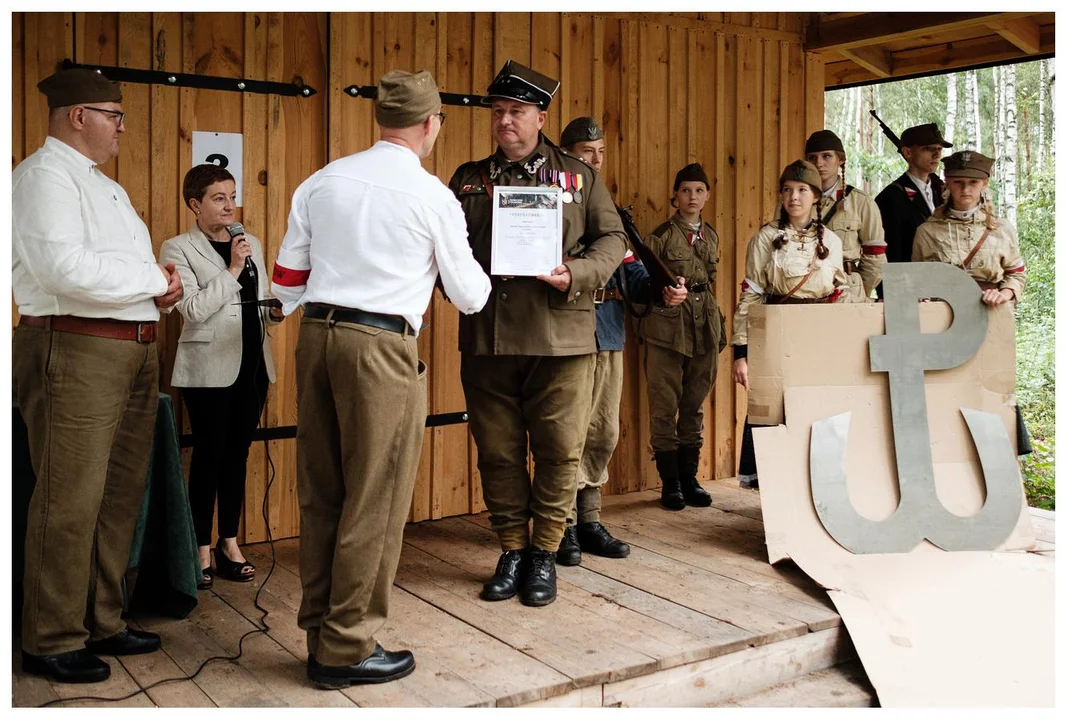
(694,616)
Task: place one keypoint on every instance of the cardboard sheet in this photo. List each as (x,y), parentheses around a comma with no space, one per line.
(932,628)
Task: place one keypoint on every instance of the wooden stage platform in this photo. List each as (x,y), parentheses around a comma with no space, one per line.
(694,617)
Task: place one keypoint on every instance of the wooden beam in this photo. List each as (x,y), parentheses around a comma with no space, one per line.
(878,28)
(701,23)
(875,60)
(1024,33)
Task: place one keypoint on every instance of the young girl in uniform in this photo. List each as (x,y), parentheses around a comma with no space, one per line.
(683,343)
(793,259)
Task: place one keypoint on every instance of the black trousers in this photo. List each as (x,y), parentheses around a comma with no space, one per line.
(223,420)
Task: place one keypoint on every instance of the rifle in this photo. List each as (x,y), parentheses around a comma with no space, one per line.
(658,271)
(887,131)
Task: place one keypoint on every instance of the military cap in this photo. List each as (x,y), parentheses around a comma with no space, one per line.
(823,140)
(927,134)
(802,171)
(967,163)
(582,129)
(518,82)
(691,173)
(405,99)
(75,86)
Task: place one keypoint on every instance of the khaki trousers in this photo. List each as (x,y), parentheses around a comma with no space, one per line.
(511,399)
(361,410)
(678,386)
(601,437)
(89,404)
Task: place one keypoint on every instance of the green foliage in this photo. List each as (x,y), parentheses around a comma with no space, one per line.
(912,102)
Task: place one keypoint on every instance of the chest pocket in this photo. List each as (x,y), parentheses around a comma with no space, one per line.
(793,261)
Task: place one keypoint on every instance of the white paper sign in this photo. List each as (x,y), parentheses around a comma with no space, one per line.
(527,230)
(222,149)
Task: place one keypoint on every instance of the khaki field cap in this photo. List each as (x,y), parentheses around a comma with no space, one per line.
(823,140)
(928,134)
(77,86)
(802,171)
(582,129)
(405,99)
(967,164)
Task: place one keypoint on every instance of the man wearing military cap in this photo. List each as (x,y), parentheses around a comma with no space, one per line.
(908,201)
(86,378)
(584,138)
(367,237)
(527,360)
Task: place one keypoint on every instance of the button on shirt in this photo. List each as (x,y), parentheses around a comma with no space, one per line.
(78,245)
(372,231)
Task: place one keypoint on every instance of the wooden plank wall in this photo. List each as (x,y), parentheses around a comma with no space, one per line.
(733,91)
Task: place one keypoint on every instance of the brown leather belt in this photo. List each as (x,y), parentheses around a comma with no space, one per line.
(851,266)
(601,294)
(984,285)
(141,332)
(784,300)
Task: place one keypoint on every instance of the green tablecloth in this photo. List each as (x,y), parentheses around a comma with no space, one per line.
(164,551)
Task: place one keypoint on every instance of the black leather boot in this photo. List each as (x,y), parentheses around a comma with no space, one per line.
(505,581)
(570,553)
(667,465)
(595,539)
(539,583)
(692,492)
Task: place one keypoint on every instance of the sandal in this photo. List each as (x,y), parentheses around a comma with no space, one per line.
(206,578)
(241,572)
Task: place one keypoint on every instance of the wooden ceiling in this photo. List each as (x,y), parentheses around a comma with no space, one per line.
(870,47)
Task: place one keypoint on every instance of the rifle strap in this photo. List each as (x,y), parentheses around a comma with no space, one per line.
(971,255)
(837,203)
(486,182)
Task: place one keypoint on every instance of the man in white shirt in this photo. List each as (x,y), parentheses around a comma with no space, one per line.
(909,200)
(85,372)
(368,236)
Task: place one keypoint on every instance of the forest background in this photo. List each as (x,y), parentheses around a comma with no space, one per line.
(1003,112)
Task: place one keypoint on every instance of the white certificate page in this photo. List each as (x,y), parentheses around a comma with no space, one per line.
(528,230)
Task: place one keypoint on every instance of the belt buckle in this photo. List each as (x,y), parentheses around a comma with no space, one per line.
(598,296)
(141,327)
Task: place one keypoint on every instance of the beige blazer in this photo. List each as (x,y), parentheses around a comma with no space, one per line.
(209,349)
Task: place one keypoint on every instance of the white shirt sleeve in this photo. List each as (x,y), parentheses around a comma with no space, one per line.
(466,284)
(50,240)
(292,267)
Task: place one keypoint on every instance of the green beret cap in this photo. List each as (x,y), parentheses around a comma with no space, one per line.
(927,134)
(823,140)
(691,173)
(76,86)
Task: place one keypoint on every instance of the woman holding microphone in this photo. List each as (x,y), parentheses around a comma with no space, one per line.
(223,362)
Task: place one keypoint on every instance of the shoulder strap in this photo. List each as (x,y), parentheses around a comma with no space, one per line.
(797,287)
(971,255)
(837,203)
(486,181)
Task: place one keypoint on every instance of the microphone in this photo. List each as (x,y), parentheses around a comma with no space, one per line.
(235,229)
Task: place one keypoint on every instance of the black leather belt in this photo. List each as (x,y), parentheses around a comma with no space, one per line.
(697,287)
(396,323)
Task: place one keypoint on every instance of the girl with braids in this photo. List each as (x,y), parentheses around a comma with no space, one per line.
(965,232)
(682,343)
(794,259)
(851,214)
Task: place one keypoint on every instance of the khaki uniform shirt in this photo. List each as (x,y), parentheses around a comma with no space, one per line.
(776,272)
(526,316)
(696,326)
(859,226)
(948,240)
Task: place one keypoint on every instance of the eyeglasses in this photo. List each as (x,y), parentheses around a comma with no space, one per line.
(441,117)
(121,115)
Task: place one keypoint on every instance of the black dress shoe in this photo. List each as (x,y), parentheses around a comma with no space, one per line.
(569,552)
(381,666)
(594,538)
(76,666)
(539,583)
(505,581)
(128,642)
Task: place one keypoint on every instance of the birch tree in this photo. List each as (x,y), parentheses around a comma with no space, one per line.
(969,112)
(973,79)
(1041,114)
(951,105)
(1009,167)
(999,131)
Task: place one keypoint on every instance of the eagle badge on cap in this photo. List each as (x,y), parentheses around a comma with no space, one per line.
(799,172)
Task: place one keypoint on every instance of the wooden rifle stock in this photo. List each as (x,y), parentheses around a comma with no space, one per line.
(659,273)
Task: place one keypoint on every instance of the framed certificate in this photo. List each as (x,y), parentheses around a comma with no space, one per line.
(528,230)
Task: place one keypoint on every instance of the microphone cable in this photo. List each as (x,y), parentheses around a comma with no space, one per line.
(264,509)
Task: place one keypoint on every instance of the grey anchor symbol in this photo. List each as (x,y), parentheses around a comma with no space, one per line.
(904,353)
